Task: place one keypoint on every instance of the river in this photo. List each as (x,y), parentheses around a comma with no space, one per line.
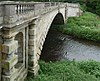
(59,46)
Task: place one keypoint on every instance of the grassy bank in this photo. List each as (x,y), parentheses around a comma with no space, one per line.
(86,26)
(68,71)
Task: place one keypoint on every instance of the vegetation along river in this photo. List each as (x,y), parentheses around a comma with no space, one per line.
(59,46)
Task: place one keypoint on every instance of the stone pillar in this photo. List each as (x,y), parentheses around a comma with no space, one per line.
(26,46)
(33,61)
(0,53)
(1,14)
(9,59)
(66,11)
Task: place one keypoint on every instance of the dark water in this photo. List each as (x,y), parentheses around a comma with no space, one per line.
(59,46)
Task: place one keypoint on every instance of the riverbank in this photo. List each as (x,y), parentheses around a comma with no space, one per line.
(86,26)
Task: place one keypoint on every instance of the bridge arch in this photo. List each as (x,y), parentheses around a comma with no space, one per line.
(59,19)
(44,25)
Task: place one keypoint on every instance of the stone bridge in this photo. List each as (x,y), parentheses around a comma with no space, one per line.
(23,29)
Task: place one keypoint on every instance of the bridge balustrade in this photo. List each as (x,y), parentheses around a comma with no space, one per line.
(15,11)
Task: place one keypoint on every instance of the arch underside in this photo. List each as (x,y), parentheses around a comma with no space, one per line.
(43,27)
(58,20)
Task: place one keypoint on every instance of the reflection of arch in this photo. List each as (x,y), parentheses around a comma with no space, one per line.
(58,20)
(19,52)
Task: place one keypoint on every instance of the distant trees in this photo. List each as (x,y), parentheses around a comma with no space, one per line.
(90,5)
(93,6)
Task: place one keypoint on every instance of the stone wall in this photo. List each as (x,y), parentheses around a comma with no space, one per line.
(73,10)
(0,52)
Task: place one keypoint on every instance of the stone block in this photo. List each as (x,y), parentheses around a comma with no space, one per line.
(39,51)
(1,20)
(31,48)
(32,32)
(22,76)
(7,78)
(31,58)
(36,69)
(0,47)
(40,46)
(31,36)
(1,41)
(1,10)
(11,77)
(8,64)
(38,56)
(31,52)
(8,72)
(18,75)
(10,10)
(10,20)
(10,47)
(32,41)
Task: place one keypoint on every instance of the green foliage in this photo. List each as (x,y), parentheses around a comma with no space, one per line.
(68,71)
(86,27)
(93,6)
(92,68)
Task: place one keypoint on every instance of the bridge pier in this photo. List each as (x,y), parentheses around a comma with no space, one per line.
(1,41)
(9,59)
(33,61)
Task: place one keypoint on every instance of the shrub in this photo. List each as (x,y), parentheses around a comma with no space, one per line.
(68,71)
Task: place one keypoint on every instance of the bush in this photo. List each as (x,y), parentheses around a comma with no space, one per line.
(68,71)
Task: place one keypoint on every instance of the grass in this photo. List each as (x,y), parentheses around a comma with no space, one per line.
(86,26)
(68,71)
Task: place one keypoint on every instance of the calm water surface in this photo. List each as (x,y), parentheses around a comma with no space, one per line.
(59,46)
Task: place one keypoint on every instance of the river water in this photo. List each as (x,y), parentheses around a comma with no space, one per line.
(59,46)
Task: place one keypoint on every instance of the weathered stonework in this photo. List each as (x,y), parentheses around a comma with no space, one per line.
(23,30)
